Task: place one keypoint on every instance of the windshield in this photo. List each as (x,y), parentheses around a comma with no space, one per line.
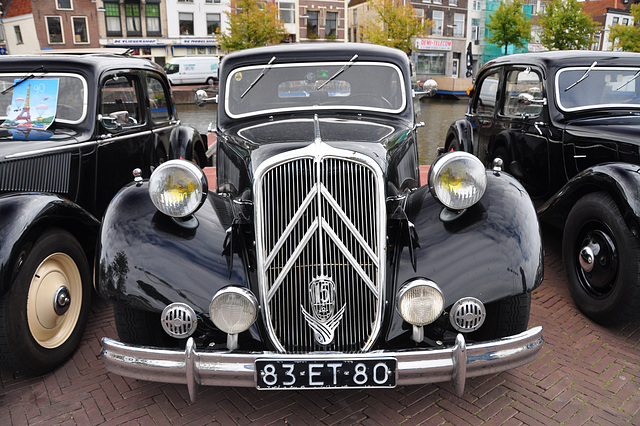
(41,100)
(297,87)
(603,87)
(171,68)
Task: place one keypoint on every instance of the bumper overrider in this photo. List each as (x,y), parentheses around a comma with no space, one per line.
(195,367)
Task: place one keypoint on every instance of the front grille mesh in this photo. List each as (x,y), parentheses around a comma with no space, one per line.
(313,210)
(44,174)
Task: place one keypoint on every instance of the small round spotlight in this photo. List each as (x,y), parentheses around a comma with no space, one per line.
(178,188)
(420,302)
(458,180)
(233,309)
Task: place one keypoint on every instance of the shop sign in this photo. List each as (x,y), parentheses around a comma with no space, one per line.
(432,44)
(199,41)
(134,41)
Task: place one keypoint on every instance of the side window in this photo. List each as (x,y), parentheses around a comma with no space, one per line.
(523,81)
(157,100)
(120,106)
(487,94)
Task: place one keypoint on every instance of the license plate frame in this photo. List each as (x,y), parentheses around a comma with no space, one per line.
(288,374)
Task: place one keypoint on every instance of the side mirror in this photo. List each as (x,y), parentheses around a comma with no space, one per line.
(528,99)
(201,98)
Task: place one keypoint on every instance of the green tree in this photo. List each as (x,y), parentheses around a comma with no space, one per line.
(627,37)
(251,24)
(565,26)
(395,24)
(509,25)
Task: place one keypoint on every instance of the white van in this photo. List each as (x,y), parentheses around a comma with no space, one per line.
(192,70)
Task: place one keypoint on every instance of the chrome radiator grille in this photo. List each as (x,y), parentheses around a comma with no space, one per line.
(321,242)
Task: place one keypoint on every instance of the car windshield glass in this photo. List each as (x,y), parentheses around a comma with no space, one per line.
(608,87)
(40,102)
(298,87)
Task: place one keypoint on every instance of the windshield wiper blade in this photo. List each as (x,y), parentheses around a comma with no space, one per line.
(632,78)
(262,73)
(29,76)
(585,75)
(344,67)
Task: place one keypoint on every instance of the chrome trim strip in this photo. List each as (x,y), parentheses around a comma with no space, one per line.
(195,367)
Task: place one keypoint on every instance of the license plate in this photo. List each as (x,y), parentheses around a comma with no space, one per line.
(299,374)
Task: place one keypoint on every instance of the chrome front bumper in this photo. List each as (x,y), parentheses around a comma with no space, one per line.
(214,368)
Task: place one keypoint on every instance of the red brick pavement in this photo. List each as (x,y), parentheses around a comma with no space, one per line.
(586,374)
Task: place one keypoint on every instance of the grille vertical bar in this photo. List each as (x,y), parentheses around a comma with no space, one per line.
(338,214)
(43,174)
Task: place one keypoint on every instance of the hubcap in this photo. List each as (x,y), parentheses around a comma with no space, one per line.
(598,263)
(54,300)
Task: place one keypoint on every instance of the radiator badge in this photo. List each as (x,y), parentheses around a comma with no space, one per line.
(323,321)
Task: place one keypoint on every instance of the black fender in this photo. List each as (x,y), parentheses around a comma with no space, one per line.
(23,218)
(492,251)
(462,130)
(147,260)
(184,141)
(620,180)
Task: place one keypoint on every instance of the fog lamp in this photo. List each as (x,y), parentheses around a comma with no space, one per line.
(420,302)
(458,180)
(178,188)
(233,309)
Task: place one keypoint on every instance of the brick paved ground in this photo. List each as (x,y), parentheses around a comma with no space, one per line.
(586,374)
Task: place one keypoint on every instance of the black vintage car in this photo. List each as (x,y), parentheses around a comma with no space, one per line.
(567,126)
(320,261)
(72,131)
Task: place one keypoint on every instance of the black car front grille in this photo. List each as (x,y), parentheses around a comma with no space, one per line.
(42,174)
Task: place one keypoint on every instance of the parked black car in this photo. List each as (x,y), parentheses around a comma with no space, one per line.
(73,129)
(567,126)
(320,261)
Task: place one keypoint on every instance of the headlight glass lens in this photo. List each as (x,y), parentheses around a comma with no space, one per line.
(177,188)
(233,309)
(420,302)
(458,180)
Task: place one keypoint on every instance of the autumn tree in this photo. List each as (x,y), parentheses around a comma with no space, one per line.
(627,37)
(394,24)
(509,25)
(251,24)
(565,26)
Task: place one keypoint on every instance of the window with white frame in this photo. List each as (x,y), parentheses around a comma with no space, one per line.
(458,25)
(330,25)
(287,12)
(475,29)
(64,4)
(54,29)
(534,6)
(213,23)
(16,29)
(438,21)
(477,5)
(80,30)
(185,23)
(453,2)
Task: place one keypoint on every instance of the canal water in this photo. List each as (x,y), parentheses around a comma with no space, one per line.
(437,114)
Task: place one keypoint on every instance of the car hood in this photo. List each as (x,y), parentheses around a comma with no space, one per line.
(621,129)
(370,138)
(12,143)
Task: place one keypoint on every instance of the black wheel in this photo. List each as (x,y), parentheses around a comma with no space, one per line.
(452,145)
(141,327)
(601,260)
(505,317)
(211,81)
(43,315)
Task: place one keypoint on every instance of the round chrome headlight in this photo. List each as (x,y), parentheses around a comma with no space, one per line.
(458,180)
(420,302)
(178,188)
(233,309)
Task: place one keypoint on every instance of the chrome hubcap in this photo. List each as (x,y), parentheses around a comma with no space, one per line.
(62,300)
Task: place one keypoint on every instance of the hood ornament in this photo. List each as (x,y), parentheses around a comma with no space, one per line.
(323,321)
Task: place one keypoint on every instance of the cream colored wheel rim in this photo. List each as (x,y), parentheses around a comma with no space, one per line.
(54,300)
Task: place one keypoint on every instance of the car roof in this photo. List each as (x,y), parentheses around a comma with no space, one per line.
(93,63)
(305,52)
(568,58)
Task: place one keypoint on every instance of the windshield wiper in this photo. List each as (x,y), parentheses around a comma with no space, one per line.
(585,75)
(262,73)
(632,78)
(29,76)
(344,67)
